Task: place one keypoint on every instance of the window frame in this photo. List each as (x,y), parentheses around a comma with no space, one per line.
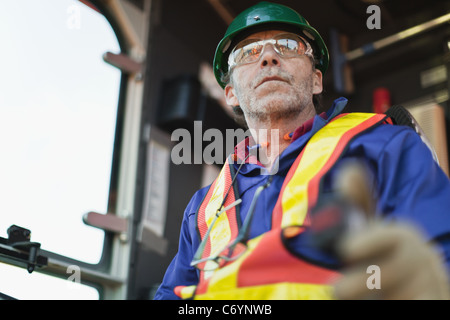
(99,275)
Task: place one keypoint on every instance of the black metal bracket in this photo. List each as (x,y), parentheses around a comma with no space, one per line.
(18,249)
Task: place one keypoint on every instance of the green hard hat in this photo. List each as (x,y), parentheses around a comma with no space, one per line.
(267,15)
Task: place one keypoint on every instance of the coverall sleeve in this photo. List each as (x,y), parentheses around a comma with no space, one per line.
(179,272)
(414,188)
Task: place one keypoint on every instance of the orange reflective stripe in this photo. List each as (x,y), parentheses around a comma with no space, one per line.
(271,262)
(301,187)
(226,226)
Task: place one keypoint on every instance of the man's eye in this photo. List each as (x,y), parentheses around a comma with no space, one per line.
(251,50)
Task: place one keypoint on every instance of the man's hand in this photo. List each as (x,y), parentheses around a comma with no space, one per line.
(409,268)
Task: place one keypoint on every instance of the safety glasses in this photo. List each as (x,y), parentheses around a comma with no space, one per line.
(287,45)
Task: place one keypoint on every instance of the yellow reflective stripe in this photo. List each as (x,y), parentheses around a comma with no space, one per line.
(275,291)
(226,277)
(315,155)
(220,234)
(187,292)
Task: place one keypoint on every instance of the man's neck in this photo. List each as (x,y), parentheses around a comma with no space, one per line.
(272,134)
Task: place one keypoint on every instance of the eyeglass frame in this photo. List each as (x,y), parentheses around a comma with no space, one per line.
(308,52)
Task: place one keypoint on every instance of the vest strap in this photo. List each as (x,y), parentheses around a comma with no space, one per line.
(226,226)
(300,189)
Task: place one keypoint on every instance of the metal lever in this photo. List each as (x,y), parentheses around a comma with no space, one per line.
(125,63)
(107,222)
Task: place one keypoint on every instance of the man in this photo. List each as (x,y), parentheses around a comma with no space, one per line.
(267,229)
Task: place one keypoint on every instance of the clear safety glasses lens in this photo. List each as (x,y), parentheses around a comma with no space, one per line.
(286,45)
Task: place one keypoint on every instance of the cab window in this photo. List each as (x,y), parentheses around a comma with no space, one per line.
(58,115)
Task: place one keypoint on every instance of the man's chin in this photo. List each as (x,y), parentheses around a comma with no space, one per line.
(275,101)
(276,109)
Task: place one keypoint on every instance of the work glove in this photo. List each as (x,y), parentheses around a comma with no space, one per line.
(384,260)
(390,261)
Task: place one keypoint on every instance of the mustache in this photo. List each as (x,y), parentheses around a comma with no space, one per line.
(273,72)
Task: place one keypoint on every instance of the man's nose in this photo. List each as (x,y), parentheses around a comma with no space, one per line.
(269,57)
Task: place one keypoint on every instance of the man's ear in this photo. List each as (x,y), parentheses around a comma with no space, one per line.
(317,85)
(230,96)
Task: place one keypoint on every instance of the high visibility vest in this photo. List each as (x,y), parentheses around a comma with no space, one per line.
(265,269)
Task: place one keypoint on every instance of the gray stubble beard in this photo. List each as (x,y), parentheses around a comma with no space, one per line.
(278,105)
